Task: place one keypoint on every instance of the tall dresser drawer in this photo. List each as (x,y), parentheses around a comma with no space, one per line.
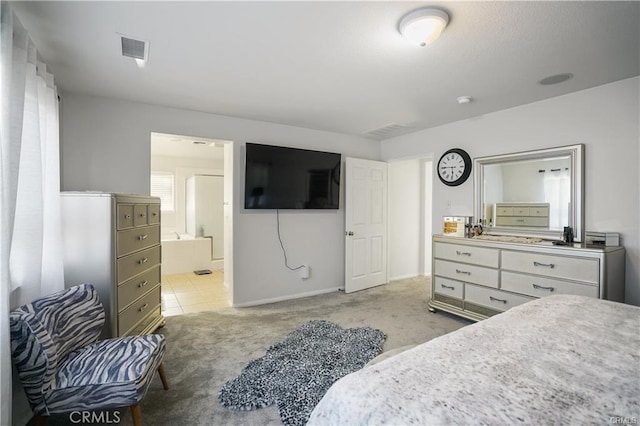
(467,273)
(467,254)
(140,215)
(540,287)
(131,289)
(138,310)
(572,268)
(136,263)
(448,287)
(154,214)
(494,299)
(136,239)
(125,216)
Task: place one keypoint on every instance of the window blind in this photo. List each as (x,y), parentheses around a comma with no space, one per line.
(162,185)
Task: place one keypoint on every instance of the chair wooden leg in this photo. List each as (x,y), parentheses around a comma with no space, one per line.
(163,377)
(39,420)
(136,414)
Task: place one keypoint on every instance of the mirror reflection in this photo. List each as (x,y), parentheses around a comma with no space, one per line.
(535,193)
(528,193)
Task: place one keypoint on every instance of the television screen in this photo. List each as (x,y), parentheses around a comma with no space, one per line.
(290,178)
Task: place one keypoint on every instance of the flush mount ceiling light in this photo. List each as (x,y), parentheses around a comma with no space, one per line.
(464,99)
(423,26)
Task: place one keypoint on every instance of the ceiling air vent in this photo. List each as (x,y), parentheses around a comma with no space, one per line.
(389,131)
(133,48)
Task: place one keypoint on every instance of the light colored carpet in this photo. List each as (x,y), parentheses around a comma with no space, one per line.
(206,349)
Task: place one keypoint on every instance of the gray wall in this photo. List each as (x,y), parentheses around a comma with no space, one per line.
(105,146)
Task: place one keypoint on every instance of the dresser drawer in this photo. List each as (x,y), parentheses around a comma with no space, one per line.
(467,254)
(136,239)
(572,268)
(521,211)
(125,216)
(138,310)
(539,211)
(140,215)
(138,262)
(540,287)
(521,221)
(448,287)
(154,214)
(467,273)
(494,299)
(131,289)
(149,324)
(504,211)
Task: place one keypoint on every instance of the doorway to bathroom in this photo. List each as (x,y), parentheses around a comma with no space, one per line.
(188,174)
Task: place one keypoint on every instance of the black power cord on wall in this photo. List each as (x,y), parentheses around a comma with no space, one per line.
(284,252)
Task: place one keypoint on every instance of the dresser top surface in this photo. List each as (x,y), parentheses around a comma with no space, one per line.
(544,245)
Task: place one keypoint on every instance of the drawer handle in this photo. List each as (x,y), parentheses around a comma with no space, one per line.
(142,284)
(463,253)
(154,214)
(142,237)
(520,220)
(450,287)
(458,271)
(127,216)
(539,287)
(546,265)
(141,215)
(143,307)
(143,261)
(495,299)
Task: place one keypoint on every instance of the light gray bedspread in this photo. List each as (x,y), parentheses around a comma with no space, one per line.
(556,360)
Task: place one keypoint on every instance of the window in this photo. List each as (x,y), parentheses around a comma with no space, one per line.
(162,185)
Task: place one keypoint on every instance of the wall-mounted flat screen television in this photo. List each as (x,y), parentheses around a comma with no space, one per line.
(290,178)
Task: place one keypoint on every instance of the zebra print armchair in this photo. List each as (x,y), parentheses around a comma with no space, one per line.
(64,368)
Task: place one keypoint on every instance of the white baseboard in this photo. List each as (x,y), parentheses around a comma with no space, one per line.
(402,277)
(288,297)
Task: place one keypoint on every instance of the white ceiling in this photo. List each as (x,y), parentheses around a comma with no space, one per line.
(336,66)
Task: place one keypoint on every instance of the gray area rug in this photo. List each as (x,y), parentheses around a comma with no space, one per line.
(297,372)
(207,349)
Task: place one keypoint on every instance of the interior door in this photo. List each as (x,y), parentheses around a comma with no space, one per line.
(365,224)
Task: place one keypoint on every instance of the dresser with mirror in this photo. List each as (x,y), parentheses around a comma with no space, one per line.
(525,202)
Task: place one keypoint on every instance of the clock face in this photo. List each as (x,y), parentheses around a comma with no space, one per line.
(454,167)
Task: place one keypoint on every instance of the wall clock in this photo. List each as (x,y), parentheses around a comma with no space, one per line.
(454,167)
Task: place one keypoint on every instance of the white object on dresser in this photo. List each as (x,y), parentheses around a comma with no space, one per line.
(476,279)
(113,242)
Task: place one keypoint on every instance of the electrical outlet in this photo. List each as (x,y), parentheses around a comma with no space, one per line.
(304,272)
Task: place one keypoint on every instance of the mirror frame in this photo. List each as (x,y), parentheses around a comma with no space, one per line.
(576,215)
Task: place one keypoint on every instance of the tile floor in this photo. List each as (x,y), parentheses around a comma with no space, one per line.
(185,293)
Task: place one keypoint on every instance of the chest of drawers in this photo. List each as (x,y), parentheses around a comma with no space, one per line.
(522,214)
(113,242)
(476,279)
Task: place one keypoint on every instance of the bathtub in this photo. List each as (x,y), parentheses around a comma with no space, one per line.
(183,253)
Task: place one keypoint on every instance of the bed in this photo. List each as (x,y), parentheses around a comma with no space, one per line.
(555,360)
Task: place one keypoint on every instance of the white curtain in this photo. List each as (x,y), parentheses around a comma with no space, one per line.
(30,245)
(557,192)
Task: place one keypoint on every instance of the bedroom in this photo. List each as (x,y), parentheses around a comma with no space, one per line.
(98,132)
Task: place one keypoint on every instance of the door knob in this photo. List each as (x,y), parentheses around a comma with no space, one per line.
(349,233)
